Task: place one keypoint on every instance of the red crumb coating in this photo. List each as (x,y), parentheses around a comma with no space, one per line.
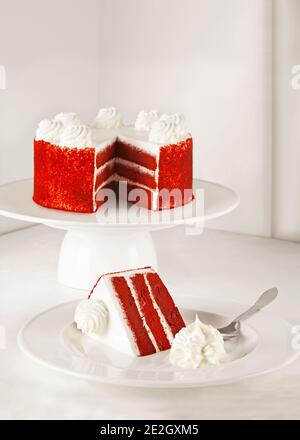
(129,152)
(148,311)
(165,303)
(176,171)
(131,312)
(64,177)
(176,165)
(135,175)
(105,155)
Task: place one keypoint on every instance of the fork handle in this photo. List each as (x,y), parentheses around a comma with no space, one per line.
(265,299)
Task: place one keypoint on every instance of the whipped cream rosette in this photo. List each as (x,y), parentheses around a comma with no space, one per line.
(48,130)
(145,120)
(68,119)
(108,118)
(198,345)
(77,136)
(91,316)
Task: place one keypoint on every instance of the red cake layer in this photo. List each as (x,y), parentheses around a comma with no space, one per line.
(63,177)
(105,155)
(130,152)
(165,302)
(133,317)
(150,313)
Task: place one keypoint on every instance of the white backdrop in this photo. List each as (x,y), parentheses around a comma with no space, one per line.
(50,50)
(209,59)
(286,126)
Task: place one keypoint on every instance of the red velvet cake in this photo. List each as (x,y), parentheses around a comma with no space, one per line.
(132,311)
(73,162)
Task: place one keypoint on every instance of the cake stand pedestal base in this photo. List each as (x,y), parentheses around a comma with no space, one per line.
(84,254)
(115,240)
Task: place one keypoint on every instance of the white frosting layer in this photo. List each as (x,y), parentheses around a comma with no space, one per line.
(197,346)
(109,164)
(77,136)
(108,118)
(135,166)
(68,119)
(145,119)
(48,131)
(91,316)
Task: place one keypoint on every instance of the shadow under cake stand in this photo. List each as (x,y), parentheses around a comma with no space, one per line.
(115,238)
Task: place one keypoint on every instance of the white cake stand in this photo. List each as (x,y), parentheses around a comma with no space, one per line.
(117,238)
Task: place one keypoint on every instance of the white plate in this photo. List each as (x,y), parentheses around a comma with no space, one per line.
(52,339)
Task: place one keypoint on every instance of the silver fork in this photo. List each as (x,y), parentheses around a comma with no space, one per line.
(234,328)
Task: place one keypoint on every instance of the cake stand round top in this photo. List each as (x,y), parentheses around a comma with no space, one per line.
(211,201)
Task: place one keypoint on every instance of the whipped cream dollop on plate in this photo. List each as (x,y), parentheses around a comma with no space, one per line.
(91,316)
(198,345)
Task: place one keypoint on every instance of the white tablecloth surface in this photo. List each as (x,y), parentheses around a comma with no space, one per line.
(215,264)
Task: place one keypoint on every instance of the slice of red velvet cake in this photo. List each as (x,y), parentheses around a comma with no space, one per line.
(73,162)
(131,311)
